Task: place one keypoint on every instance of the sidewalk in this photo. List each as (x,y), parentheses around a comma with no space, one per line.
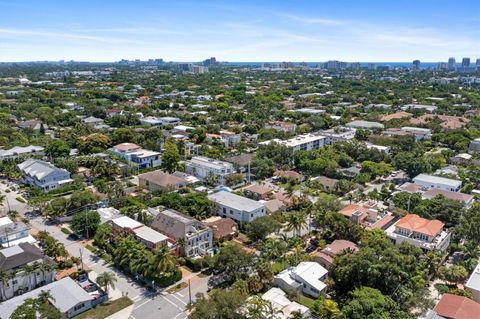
(122,314)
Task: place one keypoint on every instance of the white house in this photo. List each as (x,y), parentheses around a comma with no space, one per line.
(473,283)
(67,296)
(159,121)
(431,181)
(239,208)
(423,233)
(201,167)
(18,151)
(307,277)
(14,233)
(43,175)
(283,306)
(135,154)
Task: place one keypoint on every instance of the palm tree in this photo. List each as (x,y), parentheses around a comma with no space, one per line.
(182,244)
(163,260)
(4,280)
(13,214)
(295,221)
(107,279)
(45,296)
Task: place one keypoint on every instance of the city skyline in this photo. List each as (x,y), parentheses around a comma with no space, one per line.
(430,31)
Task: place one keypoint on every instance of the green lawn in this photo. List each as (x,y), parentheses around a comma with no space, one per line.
(306,301)
(279,266)
(107,309)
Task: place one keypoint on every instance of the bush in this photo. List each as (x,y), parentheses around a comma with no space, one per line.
(20,199)
(194,264)
(170,279)
(66,231)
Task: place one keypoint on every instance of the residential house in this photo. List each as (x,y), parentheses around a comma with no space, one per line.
(367,125)
(14,233)
(137,155)
(92,121)
(203,167)
(284,308)
(431,181)
(19,151)
(466,199)
(474,145)
(223,228)
(32,125)
(259,191)
(158,180)
(325,256)
(461,159)
(367,215)
(307,277)
(454,307)
(67,296)
(143,234)
(159,121)
(197,238)
(327,184)
(473,283)
(290,175)
(286,127)
(43,175)
(423,233)
(18,261)
(239,208)
(241,161)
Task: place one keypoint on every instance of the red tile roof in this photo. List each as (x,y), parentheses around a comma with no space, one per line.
(421,225)
(457,307)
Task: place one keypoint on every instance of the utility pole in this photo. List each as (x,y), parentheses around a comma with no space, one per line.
(189,292)
(81,258)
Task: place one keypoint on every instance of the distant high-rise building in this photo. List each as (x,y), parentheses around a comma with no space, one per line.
(372,66)
(451,63)
(442,66)
(416,64)
(477,64)
(355,66)
(184,66)
(465,63)
(209,62)
(335,65)
(200,69)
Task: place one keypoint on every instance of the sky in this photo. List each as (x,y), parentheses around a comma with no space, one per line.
(240,31)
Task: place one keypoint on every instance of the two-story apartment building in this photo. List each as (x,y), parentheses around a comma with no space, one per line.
(307,277)
(16,261)
(432,181)
(201,167)
(137,155)
(197,238)
(239,208)
(423,233)
(14,233)
(43,175)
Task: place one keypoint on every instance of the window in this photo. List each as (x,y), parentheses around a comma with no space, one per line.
(251,215)
(224,210)
(77,307)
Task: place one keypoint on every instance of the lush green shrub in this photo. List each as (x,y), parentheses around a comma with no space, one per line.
(170,279)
